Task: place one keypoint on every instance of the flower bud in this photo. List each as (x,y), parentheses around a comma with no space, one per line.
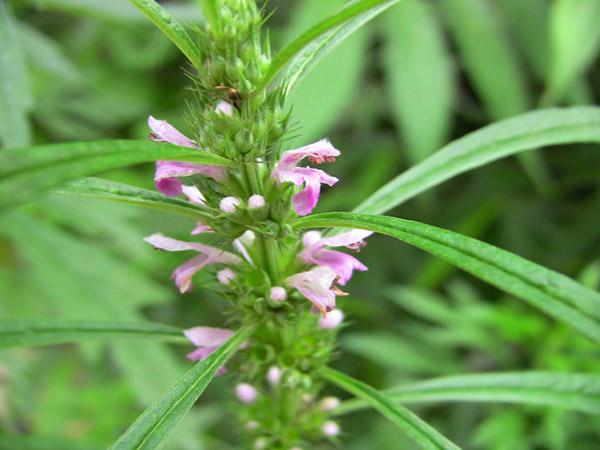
(274,375)
(224,107)
(330,428)
(246,393)
(251,425)
(329,403)
(261,443)
(225,276)
(278,294)
(229,204)
(332,319)
(256,201)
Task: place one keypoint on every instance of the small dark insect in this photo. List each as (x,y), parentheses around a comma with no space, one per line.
(232,94)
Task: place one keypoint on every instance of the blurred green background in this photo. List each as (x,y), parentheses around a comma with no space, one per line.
(417,77)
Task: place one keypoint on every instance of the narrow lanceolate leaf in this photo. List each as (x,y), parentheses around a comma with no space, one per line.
(53,331)
(15,95)
(420,432)
(573,391)
(525,132)
(154,425)
(314,44)
(555,294)
(575,38)
(171,28)
(420,77)
(24,173)
(111,190)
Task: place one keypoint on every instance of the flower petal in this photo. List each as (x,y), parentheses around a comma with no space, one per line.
(347,238)
(207,336)
(163,131)
(315,285)
(184,273)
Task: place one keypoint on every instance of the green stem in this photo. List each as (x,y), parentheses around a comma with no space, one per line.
(272,253)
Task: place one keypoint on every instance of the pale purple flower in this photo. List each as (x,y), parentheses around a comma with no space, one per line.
(329,403)
(315,252)
(246,393)
(330,428)
(256,201)
(184,273)
(274,375)
(332,320)
(193,195)
(200,228)
(242,243)
(286,170)
(316,285)
(225,276)
(229,204)
(168,172)
(278,294)
(207,340)
(224,108)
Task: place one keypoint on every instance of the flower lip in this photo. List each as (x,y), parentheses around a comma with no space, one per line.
(315,285)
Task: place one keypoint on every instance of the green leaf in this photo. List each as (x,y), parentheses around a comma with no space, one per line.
(24,173)
(158,420)
(577,392)
(15,95)
(574,37)
(111,190)
(304,51)
(420,77)
(171,28)
(498,140)
(420,432)
(52,331)
(554,293)
(209,8)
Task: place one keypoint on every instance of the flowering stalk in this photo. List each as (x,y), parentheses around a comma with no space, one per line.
(265,269)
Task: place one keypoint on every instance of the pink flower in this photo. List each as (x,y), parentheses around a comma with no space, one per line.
(184,273)
(225,276)
(207,340)
(316,285)
(229,204)
(332,320)
(224,108)
(330,428)
(200,228)
(343,265)
(256,201)
(168,172)
(278,294)
(242,243)
(286,170)
(246,393)
(193,195)
(274,375)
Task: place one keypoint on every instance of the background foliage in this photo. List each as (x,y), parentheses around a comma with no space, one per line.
(417,77)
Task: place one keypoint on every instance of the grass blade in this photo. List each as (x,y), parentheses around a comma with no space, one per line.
(304,51)
(507,137)
(15,95)
(120,192)
(171,28)
(420,432)
(154,425)
(572,391)
(24,173)
(52,331)
(555,294)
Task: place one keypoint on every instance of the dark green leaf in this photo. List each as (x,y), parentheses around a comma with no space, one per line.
(171,28)
(420,432)
(507,137)
(577,392)
(26,172)
(304,51)
(555,294)
(52,331)
(154,425)
(111,190)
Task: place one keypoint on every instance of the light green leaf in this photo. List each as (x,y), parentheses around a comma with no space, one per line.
(24,173)
(209,8)
(171,28)
(420,77)
(111,190)
(15,95)
(52,331)
(304,51)
(154,425)
(507,137)
(575,37)
(554,293)
(574,391)
(420,432)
